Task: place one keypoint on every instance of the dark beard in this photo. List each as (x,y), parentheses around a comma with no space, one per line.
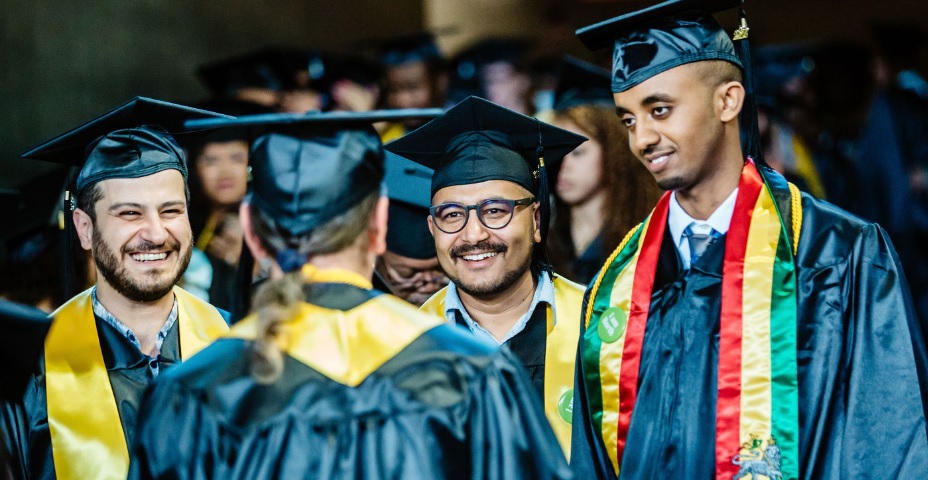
(117,276)
(498,286)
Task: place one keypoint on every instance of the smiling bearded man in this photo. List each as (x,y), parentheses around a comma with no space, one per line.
(488,219)
(108,343)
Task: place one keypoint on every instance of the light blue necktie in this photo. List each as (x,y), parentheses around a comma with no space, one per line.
(699,242)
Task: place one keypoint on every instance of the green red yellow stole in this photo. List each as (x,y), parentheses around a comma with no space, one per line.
(83,419)
(757,406)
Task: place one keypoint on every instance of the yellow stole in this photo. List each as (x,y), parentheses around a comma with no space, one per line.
(560,353)
(83,419)
(345,346)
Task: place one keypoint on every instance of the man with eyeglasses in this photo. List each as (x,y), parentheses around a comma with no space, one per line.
(489,219)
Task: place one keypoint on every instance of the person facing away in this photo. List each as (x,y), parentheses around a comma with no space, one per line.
(745,329)
(329,378)
(109,342)
(602,191)
(487,218)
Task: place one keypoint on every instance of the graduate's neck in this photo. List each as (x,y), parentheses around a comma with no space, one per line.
(499,312)
(353,259)
(703,198)
(144,319)
(586,221)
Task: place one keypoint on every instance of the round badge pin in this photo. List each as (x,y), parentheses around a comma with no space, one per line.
(565,406)
(612,324)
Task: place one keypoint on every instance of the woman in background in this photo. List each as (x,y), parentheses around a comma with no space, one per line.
(602,191)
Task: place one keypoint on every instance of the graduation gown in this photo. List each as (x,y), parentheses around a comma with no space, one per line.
(25,421)
(444,406)
(861,362)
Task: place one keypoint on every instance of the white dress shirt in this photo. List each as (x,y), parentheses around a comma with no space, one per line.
(678,220)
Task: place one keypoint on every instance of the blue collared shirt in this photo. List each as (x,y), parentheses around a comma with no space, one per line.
(544,292)
(101,311)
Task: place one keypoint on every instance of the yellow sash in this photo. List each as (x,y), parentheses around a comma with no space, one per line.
(346,346)
(83,419)
(560,353)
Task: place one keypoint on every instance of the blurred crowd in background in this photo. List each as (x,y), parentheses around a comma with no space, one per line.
(845,122)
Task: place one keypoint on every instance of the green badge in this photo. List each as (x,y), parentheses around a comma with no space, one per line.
(565,406)
(612,324)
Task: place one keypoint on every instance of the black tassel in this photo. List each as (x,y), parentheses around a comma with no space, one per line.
(750,130)
(241,301)
(68,251)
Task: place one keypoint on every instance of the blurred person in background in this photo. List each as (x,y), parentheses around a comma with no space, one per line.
(894,150)
(602,191)
(494,69)
(414,76)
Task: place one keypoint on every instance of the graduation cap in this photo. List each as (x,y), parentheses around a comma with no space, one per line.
(130,141)
(658,38)
(22,339)
(309,168)
(258,69)
(419,47)
(582,83)
(465,79)
(408,185)
(477,141)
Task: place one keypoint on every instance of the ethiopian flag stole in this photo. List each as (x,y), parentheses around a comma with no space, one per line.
(757,407)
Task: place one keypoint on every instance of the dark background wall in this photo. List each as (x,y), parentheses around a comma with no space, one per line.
(63,62)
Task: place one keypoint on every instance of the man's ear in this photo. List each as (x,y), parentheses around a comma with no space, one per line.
(377,230)
(84,226)
(731,99)
(536,234)
(251,240)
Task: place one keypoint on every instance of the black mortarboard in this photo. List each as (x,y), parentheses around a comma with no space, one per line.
(476,141)
(420,47)
(308,168)
(22,339)
(658,38)
(582,83)
(408,185)
(130,141)
(257,69)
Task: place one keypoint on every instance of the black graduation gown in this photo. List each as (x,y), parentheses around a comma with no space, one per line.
(861,363)
(446,406)
(25,421)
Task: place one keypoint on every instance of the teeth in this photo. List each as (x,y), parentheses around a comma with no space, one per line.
(149,257)
(661,159)
(478,257)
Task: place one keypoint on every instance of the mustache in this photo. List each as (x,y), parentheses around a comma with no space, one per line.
(483,246)
(144,247)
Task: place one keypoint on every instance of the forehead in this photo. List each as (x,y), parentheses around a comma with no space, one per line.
(676,82)
(164,186)
(477,192)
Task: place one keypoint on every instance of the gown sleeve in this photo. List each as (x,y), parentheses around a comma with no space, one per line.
(882,380)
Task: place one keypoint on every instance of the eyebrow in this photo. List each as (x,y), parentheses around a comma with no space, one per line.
(139,206)
(649,100)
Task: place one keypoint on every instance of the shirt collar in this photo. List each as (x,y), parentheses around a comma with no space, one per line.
(544,292)
(100,311)
(678,219)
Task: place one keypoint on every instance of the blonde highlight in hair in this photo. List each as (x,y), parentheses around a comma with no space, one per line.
(278,301)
